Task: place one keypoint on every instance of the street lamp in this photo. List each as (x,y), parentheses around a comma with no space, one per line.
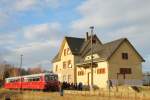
(21,72)
(91,87)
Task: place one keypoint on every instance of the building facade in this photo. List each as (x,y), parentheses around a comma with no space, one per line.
(117,61)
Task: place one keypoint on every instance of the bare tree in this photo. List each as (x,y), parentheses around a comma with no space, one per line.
(35,70)
(8,70)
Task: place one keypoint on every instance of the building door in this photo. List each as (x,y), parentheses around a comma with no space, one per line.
(89,78)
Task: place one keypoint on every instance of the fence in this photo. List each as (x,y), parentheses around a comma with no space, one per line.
(112,94)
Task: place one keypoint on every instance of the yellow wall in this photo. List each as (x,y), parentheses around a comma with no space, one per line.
(77,59)
(99,80)
(134,62)
(68,71)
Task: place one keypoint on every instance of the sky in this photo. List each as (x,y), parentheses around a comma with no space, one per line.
(36,28)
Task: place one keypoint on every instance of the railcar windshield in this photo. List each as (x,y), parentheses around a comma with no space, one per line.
(51,77)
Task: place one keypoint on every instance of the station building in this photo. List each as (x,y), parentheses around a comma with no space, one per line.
(117,61)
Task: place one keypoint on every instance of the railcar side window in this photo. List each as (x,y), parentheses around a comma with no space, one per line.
(25,80)
(36,79)
(30,80)
(12,80)
(7,80)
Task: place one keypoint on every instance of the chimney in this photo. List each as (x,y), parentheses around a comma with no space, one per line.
(87,35)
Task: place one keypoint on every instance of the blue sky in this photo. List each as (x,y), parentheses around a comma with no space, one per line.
(35,28)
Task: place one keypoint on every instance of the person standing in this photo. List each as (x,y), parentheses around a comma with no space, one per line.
(110,85)
(61,89)
(80,86)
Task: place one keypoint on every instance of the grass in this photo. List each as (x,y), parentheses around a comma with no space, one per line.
(54,96)
(37,95)
(7,93)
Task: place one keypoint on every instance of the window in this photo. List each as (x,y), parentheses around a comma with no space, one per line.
(69,64)
(125,56)
(101,71)
(68,51)
(64,65)
(125,71)
(51,77)
(64,52)
(36,79)
(94,39)
(80,73)
(56,68)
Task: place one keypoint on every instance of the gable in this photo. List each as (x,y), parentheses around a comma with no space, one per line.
(74,44)
(58,55)
(65,50)
(126,47)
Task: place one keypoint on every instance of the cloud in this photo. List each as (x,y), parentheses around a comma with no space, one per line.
(34,53)
(41,31)
(9,8)
(24,5)
(115,19)
(104,13)
(3,17)
(36,42)
(6,39)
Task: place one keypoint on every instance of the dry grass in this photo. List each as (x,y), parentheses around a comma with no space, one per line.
(29,95)
(36,95)
(56,96)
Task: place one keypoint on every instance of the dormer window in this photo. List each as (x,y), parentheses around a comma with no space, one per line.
(125,56)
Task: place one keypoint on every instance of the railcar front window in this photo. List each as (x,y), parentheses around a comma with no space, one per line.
(50,77)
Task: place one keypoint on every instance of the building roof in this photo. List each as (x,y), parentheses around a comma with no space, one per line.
(86,47)
(56,58)
(74,45)
(106,50)
(109,48)
(81,46)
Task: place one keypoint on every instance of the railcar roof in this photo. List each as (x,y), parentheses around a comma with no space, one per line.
(33,75)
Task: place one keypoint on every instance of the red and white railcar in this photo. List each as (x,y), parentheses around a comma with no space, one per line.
(43,81)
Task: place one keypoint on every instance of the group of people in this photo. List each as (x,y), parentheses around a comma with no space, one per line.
(70,86)
(75,86)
